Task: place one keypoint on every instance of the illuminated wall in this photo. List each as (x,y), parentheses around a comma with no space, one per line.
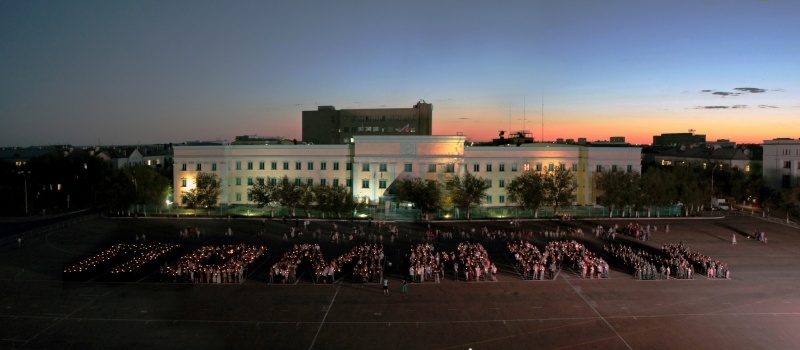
(377,161)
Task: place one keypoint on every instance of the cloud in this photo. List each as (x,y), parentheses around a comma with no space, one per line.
(711,107)
(739,106)
(767,106)
(463,118)
(751,90)
(723,93)
(706,90)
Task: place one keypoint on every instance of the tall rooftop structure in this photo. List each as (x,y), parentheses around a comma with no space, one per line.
(685,139)
(327,125)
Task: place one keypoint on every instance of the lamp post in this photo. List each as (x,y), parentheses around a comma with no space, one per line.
(25,176)
(712,185)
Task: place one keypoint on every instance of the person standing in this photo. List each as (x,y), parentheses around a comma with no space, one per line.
(404,290)
(734,239)
(386,286)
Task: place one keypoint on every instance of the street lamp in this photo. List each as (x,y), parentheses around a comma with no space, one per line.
(712,185)
(25,176)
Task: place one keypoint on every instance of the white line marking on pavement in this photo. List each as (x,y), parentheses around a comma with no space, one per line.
(325,317)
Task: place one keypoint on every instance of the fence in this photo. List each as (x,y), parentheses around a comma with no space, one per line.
(753,214)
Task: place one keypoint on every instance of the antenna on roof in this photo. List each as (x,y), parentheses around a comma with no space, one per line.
(691,131)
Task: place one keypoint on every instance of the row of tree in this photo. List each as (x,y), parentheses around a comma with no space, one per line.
(658,187)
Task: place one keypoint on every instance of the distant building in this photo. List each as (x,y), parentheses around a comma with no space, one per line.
(259,140)
(118,157)
(733,158)
(327,125)
(781,163)
(682,139)
(721,143)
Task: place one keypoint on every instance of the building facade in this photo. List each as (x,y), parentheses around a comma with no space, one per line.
(370,165)
(781,163)
(327,125)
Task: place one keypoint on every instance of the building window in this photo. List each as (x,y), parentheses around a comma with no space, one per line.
(787,165)
(238,181)
(323,166)
(501,199)
(747,167)
(450,168)
(323,182)
(310,181)
(213,166)
(431,168)
(298,181)
(262,165)
(527,167)
(562,166)
(249,181)
(614,168)
(335,165)
(574,166)
(599,168)
(238,165)
(183,182)
(476,168)
(273,165)
(501,183)
(382,167)
(407,167)
(502,167)
(364,183)
(250,165)
(260,181)
(298,165)
(183,166)
(488,199)
(488,183)
(538,167)
(199,167)
(273,181)
(310,165)
(382,183)
(488,167)
(513,166)
(630,168)
(238,197)
(336,182)
(348,166)
(348,182)
(285,165)
(365,167)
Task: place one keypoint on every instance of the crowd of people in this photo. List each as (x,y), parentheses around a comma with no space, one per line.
(642,264)
(681,256)
(475,262)
(537,264)
(365,259)
(143,254)
(120,259)
(425,264)
(214,264)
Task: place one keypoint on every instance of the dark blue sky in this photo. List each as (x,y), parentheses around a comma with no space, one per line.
(122,72)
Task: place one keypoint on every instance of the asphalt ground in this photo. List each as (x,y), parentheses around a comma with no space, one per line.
(758,308)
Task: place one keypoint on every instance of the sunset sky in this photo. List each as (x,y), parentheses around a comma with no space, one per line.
(128,72)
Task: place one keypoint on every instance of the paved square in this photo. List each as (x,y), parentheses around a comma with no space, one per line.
(759,308)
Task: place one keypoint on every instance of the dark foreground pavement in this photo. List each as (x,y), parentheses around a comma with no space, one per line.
(759,308)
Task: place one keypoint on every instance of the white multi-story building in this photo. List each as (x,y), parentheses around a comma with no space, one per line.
(370,164)
(781,161)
